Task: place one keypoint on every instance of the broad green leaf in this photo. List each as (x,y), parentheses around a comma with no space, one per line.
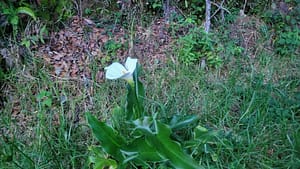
(145,152)
(107,136)
(27,11)
(99,160)
(179,122)
(170,149)
(167,148)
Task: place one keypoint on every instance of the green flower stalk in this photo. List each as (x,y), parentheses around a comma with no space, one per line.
(135,95)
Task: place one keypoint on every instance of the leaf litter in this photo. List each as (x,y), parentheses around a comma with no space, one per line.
(71,54)
(72,50)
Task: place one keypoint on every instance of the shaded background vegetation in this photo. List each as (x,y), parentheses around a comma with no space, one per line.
(242,78)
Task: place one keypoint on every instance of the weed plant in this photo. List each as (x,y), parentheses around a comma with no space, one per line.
(196,46)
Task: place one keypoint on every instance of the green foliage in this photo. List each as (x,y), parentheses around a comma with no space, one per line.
(111,47)
(45,98)
(138,140)
(159,138)
(234,50)
(112,143)
(258,6)
(297,141)
(154,5)
(55,10)
(27,41)
(2,73)
(195,46)
(150,142)
(196,9)
(13,14)
(16,13)
(284,19)
(205,141)
(25,10)
(8,153)
(99,159)
(287,43)
(135,103)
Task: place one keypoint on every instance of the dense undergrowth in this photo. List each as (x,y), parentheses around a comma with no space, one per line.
(242,80)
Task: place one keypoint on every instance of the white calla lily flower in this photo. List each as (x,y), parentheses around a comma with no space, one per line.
(117,70)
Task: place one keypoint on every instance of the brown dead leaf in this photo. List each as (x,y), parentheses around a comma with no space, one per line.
(57,56)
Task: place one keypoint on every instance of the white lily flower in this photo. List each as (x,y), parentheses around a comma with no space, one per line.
(117,70)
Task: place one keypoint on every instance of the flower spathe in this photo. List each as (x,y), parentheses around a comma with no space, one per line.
(117,70)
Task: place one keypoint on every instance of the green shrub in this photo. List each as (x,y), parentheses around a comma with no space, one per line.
(54,10)
(12,13)
(49,11)
(287,43)
(111,47)
(284,19)
(195,46)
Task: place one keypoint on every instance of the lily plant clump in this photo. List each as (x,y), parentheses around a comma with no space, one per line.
(132,139)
